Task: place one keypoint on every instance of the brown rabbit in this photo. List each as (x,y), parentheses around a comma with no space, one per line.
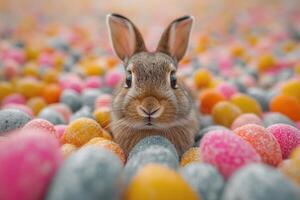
(151,100)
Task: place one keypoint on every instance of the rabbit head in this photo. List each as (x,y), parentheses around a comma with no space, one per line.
(151,100)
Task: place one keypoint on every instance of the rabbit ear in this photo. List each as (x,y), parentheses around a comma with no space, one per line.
(174,41)
(125,37)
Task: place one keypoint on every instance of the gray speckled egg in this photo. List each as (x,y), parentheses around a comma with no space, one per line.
(153,154)
(276,118)
(91,173)
(85,111)
(51,116)
(89,97)
(260,182)
(152,141)
(11,119)
(71,99)
(204,179)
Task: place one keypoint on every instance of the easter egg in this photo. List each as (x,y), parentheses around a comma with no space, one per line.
(246,103)
(208,99)
(262,141)
(52,116)
(280,102)
(292,88)
(84,111)
(21,107)
(224,113)
(6,88)
(153,154)
(60,131)
(204,179)
(41,125)
(265,62)
(102,116)
(159,182)
(202,78)
(205,130)
(68,149)
(191,155)
(62,109)
(51,93)
(149,141)
(276,118)
(90,173)
(89,97)
(11,119)
(206,120)
(93,82)
(287,136)
(104,100)
(260,182)
(244,119)
(14,98)
(109,145)
(81,131)
(226,89)
(29,87)
(226,151)
(30,159)
(36,104)
(260,96)
(113,78)
(71,99)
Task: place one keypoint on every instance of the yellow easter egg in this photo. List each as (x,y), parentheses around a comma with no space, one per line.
(191,155)
(265,62)
(158,182)
(292,88)
(202,78)
(102,116)
(36,104)
(246,103)
(82,130)
(224,113)
(6,88)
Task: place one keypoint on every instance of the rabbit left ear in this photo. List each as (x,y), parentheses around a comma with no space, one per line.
(125,37)
(175,39)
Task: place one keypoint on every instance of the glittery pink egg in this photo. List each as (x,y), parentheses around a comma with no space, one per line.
(287,136)
(226,89)
(103,101)
(226,151)
(93,82)
(28,164)
(40,125)
(262,141)
(113,78)
(248,118)
(14,98)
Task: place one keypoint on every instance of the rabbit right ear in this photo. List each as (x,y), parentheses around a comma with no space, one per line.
(125,37)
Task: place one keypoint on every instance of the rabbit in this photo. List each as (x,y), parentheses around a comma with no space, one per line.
(151,100)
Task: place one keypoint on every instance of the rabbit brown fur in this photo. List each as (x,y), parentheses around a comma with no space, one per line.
(151,101)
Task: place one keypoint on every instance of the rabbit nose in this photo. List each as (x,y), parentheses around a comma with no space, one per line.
(150,107)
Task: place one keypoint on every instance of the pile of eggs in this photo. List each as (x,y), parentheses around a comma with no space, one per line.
(56,142)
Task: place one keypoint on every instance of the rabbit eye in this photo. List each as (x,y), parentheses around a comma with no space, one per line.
(173,80)
(128,79)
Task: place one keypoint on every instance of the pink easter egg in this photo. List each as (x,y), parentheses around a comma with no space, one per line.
(262,141)
(10,69)
(17,55)
(21,107)
(41,125)
(71,81)
(287,136)
(28,164)
(226,151)
(227,89)
(113,78)
(60,131)
(93,82)
(247,118)
(103,100)
(14,98)
(46,59)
